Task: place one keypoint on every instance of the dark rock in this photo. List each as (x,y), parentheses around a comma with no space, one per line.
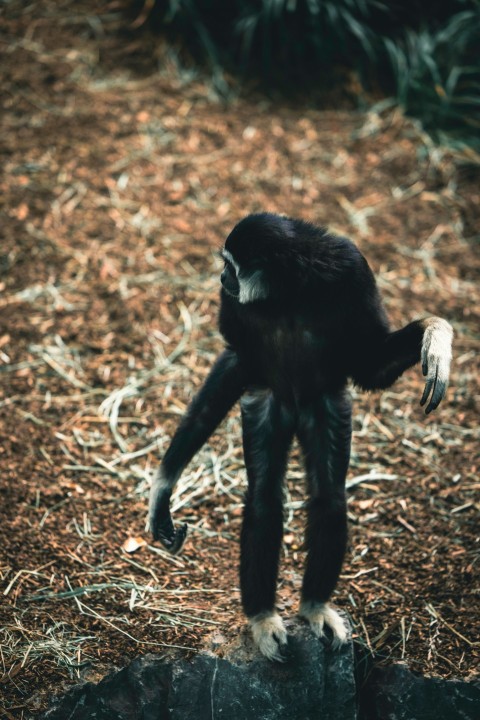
(395,693)
(315,682)
(140,690)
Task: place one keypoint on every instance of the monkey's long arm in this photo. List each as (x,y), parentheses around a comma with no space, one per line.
(385,357)
(222,388)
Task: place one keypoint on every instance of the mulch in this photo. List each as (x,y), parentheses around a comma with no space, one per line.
(122,174)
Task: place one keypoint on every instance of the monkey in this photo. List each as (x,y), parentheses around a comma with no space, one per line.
(301,316)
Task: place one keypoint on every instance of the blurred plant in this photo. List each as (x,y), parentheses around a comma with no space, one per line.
(426,55)
(299,38)
(437,76)
(282,42)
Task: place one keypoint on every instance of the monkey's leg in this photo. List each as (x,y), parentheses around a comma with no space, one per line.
(222,388)
(384,359)
(267,435)
(324,433)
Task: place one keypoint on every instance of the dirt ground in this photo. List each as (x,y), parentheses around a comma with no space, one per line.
(122,175)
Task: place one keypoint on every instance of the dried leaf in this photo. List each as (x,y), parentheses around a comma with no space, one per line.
(132,544)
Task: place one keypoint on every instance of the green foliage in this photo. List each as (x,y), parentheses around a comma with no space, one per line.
(301,37)
(425,54)
(280,41)
(437,76)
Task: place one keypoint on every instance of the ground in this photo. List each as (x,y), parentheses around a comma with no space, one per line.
(122,175)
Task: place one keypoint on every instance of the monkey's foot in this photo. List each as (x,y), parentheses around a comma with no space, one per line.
(436,356)
(270,635)
(321,614)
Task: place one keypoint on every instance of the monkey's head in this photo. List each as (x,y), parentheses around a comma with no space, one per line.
(271,257)
(258,257)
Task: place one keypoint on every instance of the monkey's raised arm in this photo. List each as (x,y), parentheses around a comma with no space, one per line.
(222,388)
(386,355)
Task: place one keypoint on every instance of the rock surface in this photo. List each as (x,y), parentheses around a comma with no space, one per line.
(314,683)
(395,693)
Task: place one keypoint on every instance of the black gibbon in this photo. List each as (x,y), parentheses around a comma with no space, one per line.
(301,315)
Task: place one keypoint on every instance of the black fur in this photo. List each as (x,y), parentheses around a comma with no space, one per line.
(319,321)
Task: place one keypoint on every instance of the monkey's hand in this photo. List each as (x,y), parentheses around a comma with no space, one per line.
(436,356)
(159,520)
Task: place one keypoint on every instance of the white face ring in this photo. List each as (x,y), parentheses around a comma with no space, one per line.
(251,288)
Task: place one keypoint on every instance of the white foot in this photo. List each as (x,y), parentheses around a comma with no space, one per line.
(321,614)
(269,635)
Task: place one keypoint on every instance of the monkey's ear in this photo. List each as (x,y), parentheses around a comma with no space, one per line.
(253,287)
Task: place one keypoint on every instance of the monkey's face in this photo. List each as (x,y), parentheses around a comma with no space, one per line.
(244,284)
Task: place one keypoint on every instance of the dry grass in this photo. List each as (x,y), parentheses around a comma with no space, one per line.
(118,188)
